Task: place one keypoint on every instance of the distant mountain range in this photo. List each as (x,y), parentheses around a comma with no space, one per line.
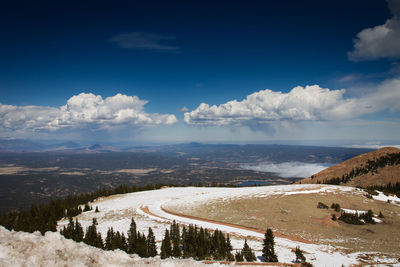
(19,145)
(380,167)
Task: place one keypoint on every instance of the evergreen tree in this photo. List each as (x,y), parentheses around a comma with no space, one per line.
(166,250)
(68,231)
(239,256)
(248,254)
(299,255)
(132,237)
(92,237)
(140,247)
(151,244)
(175,236)
(268,251)
(87,207)
(109,239)
(78,233)
(228,246)
(123,245)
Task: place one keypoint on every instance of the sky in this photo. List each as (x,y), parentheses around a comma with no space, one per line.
(320,72)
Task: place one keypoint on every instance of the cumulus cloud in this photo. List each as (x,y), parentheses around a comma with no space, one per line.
(81,111)
(300,104)
(381,41)
(145,40)
(310,103)
(288,169)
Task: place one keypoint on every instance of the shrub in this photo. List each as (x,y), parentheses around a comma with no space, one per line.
(336,207)
(322,206)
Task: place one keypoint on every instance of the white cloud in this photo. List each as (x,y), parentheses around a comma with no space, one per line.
(310,103)
(288,169)
(144,40)
(372,146)
(300,104)
(381,41)
(82,111)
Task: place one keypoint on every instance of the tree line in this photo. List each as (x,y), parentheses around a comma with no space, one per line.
(371,166)
(44,217)
(186,242)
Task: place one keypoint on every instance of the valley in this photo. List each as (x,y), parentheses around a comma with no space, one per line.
(41,175)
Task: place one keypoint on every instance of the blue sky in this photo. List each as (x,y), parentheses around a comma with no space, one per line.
(138,71)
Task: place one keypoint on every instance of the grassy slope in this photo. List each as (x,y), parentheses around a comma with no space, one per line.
(298,215)
(389,174)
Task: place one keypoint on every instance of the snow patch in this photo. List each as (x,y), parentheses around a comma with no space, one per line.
(393,199)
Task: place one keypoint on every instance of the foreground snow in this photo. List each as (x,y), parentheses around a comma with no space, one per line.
(52,249)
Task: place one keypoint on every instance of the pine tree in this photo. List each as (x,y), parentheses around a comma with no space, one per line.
(299,255)
(268,251)
(248,254)
(109,239)
(124,244)
(175,236)
(229,255)
(141,248)
(87,207)
(78,235)
(166,250)
(132,237)
(93,238)
(151,244)
(239,256)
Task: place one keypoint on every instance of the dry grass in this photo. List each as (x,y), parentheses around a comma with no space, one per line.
(298,216)
(19,169)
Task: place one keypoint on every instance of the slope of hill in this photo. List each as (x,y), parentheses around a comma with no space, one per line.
(328,243)
(158,208)
(377,168)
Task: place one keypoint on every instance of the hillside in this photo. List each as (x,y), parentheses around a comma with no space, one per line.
(243,213)
(377,168)
(324,246)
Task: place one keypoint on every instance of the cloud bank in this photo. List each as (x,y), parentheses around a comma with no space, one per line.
(145,40)
(85,110)
(381,41)
(310,103)
(288,169)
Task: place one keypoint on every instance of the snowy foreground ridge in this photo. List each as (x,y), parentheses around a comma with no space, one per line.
(22,249)
(52,249)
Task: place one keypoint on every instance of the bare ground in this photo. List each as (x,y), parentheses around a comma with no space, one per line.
(298,216)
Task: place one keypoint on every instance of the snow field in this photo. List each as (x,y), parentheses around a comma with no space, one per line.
(118,210)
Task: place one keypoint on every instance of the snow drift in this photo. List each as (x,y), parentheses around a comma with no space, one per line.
(52,249)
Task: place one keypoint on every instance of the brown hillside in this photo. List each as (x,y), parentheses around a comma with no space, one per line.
(385,175)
